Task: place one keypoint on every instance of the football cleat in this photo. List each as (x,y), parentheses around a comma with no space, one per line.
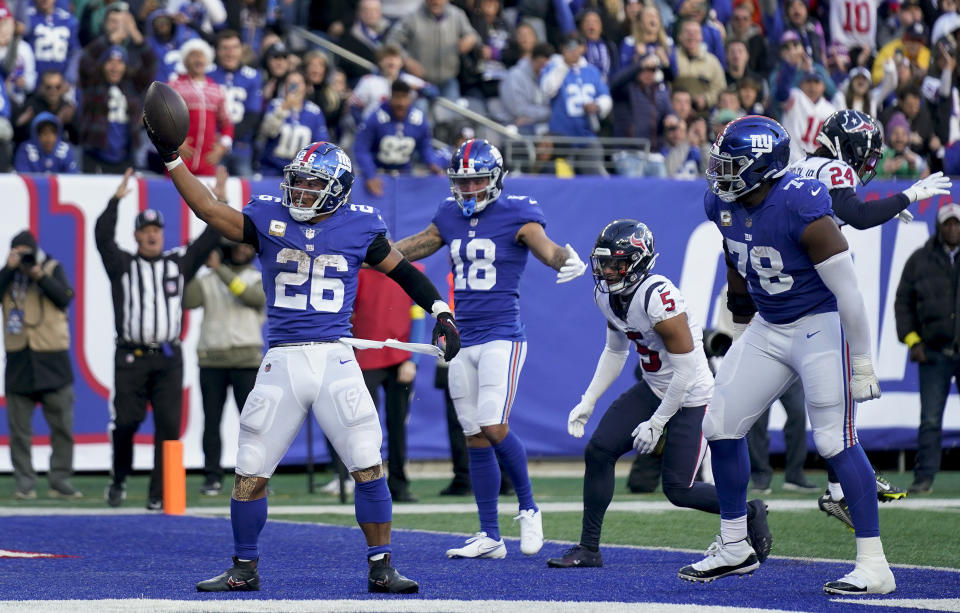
(385,579)
(531,531)
(757,529)
(241,577)
(576,557)
(874,577)
(836,508)
(723,559)
(115,494)
(886,491)
(480,546)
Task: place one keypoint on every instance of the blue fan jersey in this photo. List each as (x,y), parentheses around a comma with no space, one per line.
(487,265)
(764,242)
(581,85)
(299,130)
(242,95)
(310,271)
(54,41)
(388,143)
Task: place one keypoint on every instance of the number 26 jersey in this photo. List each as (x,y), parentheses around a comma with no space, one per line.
(488,262)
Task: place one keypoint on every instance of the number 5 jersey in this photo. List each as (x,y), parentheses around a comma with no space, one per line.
(657,299)
(488,262)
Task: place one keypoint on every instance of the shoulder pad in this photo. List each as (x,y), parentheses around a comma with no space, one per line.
(416,117)
(248,72)
(264,198)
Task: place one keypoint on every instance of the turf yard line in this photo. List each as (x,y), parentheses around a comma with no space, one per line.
(399,604)
(930,604)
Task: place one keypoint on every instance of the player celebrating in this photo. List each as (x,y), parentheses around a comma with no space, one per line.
(310,256)
(851,144)
(676,386)
(786,256)
(490,234)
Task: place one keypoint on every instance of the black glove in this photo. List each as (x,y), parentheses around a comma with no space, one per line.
(447,328)
(166,152)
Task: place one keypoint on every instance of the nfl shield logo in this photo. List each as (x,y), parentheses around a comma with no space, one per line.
(309,232)
(473,222)
(171,286)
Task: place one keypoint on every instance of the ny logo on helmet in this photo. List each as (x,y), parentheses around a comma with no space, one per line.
(761,143)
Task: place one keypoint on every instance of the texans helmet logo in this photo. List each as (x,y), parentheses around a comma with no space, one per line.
(637,241)
(855,123)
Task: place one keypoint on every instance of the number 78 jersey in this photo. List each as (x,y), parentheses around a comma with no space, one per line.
(488,262)
(763,242)
(656,300)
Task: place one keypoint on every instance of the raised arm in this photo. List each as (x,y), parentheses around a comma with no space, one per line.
(420,245)
(221,217)
(562,259)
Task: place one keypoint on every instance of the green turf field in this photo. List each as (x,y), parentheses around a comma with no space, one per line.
(911,536)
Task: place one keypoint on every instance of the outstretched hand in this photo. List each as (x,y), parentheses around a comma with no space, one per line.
(934,185)
(572,268)
(123,190)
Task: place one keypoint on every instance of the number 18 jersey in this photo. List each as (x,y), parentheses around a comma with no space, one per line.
(488,262)
(310,271)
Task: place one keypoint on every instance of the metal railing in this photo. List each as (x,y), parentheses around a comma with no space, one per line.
(526,154)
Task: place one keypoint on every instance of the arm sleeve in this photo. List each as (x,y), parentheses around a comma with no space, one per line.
(104,234)
(862,215)
(610,364)
(838,275)
(552,77)
(250,235)
(197,252)
(57,288)
(250,294)
(416,284)
(685,367)
(192,294)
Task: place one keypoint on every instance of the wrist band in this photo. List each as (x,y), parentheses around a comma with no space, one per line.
(912,339)
(237,286)
(171,165)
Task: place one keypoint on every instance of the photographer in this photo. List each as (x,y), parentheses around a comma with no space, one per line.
(35,294)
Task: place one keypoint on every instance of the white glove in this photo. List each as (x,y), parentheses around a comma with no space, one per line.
(905,216)
(579,416)
(934,185)
(572,268)
(864,384)
(647,435)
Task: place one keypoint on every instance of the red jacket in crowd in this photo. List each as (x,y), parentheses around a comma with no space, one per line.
(209,123)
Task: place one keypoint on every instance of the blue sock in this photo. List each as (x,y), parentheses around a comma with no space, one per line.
(485,478)
(514,457)
(731,473)
(859,488)
(372,503)
(374,550)
(832,474)
(248,518)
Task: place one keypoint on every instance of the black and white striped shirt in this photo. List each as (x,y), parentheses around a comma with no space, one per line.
(147,291)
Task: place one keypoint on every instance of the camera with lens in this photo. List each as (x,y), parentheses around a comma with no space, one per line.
(28,258)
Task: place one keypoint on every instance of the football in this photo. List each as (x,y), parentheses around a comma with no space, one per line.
(166,114)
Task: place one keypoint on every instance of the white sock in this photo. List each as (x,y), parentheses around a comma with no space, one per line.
(836,492)
(376,557)
(733,530)
(870,547)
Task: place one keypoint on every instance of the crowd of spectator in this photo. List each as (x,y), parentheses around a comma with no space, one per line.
(668,74)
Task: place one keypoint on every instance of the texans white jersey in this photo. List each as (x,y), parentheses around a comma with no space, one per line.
(802,121)
(655,300)
(834,174)
(854,23)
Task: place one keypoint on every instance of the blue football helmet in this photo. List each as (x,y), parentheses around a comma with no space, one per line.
(749,151)
(473,161)
(321,169)
(623,256)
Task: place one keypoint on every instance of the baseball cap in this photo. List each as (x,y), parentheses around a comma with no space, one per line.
(114,52)
(149,217)
(916,31)
(275,50)
(947,211)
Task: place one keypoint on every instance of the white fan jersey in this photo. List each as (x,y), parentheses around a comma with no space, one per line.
(854,23)
(803,120)
(834,174)
(655,300)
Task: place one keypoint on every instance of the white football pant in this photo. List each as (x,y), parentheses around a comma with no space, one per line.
(483,383)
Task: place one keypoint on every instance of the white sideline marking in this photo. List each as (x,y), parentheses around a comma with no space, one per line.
(400,604)
(632,506)
(931,604)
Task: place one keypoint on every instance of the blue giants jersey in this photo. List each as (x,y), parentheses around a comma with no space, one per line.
(242,95)
(54,41)
(764,243)
(310,271)
(487,265)
(299,129)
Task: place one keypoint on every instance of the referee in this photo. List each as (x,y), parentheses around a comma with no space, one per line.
(147,289)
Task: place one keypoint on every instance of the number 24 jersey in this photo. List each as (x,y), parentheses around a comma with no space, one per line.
(488,262)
